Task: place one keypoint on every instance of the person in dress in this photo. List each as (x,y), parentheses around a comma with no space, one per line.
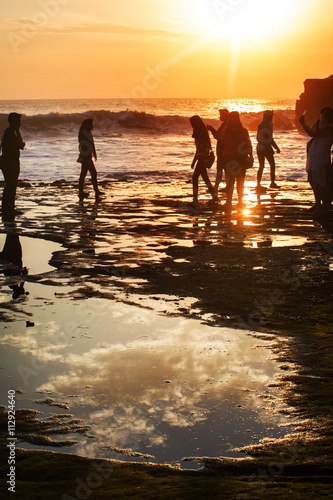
(224,115)
(87,153)
(318,164)
(238,157)
(201,160)
(11,144)
(265,149)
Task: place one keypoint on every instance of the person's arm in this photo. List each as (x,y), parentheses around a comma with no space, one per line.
(306,127)
(20,143)
(213,131)
(249,149)
(275,146)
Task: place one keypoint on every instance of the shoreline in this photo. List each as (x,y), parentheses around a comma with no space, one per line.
(268,271)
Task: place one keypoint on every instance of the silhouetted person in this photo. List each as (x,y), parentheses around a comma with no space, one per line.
(237,155)
(224,115)
(265,150)
(200,161)
(11,143)
(87,152)
(318,162)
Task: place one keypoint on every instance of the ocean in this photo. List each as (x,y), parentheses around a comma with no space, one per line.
(142,139)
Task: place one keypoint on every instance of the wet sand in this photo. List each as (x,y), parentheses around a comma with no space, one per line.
(266,271)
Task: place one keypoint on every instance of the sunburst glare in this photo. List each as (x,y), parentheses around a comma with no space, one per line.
(250,20)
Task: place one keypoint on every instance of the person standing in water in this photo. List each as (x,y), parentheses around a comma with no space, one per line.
(265,150)
(87,153)
(201,160)
(224,115)
(11,143)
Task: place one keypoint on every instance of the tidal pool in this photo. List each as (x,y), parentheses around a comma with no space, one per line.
(165,387)
(32,253)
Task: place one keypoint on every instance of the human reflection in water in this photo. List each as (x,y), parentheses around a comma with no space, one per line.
(88,228)
(12,253)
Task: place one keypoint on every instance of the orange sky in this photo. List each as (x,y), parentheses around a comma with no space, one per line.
(163,48)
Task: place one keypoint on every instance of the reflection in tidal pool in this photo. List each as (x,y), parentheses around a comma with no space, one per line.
(35,252)
(167,387)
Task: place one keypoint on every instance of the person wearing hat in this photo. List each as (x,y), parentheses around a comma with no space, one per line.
(87,152)
(224,115)
(265,150)
(11,143)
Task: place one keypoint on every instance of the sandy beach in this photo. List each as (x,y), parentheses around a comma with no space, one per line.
(265,273)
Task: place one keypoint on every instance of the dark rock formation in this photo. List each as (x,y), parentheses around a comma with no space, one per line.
(317,94)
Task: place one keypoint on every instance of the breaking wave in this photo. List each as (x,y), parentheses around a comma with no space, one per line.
(109,123)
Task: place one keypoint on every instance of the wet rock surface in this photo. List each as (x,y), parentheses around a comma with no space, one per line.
(268,269)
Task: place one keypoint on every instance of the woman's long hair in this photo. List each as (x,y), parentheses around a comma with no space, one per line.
(86,126)
(234,125)
(200,132)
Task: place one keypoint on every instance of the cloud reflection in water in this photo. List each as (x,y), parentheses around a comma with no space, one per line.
(137,394)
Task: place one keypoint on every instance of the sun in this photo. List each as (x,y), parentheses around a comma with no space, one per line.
(244,20)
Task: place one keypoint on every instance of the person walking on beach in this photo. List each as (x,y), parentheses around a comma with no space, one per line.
(265,150)
(224,115)
(87,152)
(11,143)
(201,160)
(318,164)
(238,157)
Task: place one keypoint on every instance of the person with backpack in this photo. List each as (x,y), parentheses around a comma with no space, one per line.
(238,157)
(203,159)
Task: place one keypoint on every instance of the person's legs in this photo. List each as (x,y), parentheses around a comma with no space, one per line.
(240,186)
(271,161)
(317,192)
(84,170)
(205,177)
(219,173)
(261,160)
(232,170)
(229,191)
(92,169)
(195,178)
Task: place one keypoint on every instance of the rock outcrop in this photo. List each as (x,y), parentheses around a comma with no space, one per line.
(317,94)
